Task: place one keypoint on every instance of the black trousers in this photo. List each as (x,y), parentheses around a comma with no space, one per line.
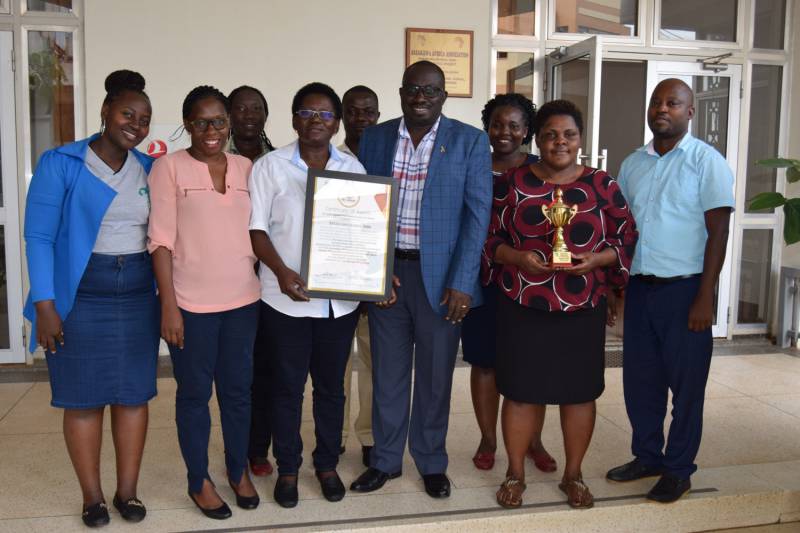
(299,346)
(260,426)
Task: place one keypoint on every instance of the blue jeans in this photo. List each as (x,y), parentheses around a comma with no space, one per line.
(218,350)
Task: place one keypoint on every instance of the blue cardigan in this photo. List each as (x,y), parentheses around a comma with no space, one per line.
(66,204)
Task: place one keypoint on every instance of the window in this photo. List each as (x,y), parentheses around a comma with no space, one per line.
(514,73)
(50,6)
(51,87)
(769,20)
(755,276)
(516,17)
(606,17)
(762,142)
(689,20)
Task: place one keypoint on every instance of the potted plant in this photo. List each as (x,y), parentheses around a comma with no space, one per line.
(772,200)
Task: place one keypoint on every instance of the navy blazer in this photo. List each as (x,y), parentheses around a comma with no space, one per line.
(456,202)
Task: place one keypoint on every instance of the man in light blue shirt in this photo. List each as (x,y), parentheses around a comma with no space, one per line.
(681,192)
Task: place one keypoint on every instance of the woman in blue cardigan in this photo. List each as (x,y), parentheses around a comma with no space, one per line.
(92,302)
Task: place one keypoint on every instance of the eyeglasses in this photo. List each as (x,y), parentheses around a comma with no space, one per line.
(324,116)
(428,91)
(202,124)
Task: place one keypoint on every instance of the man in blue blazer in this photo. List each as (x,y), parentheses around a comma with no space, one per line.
(442,168)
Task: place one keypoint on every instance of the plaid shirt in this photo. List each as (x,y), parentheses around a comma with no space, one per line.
(410,169)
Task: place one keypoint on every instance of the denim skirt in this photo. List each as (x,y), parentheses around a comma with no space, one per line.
(111,336)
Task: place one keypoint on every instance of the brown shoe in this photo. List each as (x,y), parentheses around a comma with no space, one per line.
(509,495)
(578,495)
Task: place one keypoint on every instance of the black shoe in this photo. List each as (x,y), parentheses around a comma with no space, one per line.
(437,485)
(245,502)
(132,509)
(669,489)
(365,451)
(341,450)
(332,487)
(285,493)
(633,471)
(372,479)
(220,513)
(95,515)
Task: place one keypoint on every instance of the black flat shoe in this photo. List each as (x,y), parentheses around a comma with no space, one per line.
(372,479)
(669,489)
(220,513)
(633,471)
(365,451)
(95,515)
(285,493)
(245,502)
(437,485)
(132,509)
(332,487)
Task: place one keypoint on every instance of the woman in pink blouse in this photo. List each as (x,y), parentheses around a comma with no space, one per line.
(203,262)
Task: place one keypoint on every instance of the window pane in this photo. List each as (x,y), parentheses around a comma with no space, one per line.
(607,17)
(52,100)
(711,101)
(622,101)
(769,22)
(754,280)
(690,20)
(516,17)
(765,112)
(514,73)
(5,338)
(50,6)
(571,82)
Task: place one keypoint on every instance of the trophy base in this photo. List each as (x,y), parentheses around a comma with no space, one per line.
(561,260)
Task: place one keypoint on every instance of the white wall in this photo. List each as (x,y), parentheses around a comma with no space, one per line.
(274,45)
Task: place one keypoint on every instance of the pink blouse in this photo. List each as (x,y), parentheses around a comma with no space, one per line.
(207,232)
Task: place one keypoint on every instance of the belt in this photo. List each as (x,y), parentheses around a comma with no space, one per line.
(406,255)
(655,280)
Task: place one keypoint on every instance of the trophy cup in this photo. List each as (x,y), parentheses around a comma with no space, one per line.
(559,215)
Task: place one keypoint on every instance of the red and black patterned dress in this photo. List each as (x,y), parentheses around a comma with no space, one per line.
(551,327)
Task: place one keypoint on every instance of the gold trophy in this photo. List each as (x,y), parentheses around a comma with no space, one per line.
(559,215)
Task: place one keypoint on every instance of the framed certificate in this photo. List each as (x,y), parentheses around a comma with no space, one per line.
(349,236)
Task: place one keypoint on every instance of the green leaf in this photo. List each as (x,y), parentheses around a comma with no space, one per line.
(793,174)
(767,200)
(778,162)
(791,224)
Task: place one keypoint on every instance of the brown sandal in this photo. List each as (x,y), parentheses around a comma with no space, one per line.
(509,495)
(578,495)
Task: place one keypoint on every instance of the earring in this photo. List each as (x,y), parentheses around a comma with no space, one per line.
(102,127)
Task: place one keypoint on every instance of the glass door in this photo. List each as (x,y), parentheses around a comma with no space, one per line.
(574,73)
(716,121)
(11,322)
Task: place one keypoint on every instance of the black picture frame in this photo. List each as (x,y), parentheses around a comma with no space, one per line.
(311,186)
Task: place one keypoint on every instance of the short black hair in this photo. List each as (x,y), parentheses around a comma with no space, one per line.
(201,92)
(427,64)
(360,89)
(514,100)
(557,107)
(121,81)
(263,133)
(317,88)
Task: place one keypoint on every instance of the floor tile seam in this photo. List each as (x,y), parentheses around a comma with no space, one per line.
(30,386)
(725,385)
(465,513)
(627,430)
(758,399)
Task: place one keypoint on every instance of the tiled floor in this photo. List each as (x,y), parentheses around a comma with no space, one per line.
(751,449)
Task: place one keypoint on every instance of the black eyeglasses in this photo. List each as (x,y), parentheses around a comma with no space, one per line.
(428,91)
(202,124)
(325,116)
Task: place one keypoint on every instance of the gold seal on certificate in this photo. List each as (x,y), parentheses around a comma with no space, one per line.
(349,234)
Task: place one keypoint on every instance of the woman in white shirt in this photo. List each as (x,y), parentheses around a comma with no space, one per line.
(304,335)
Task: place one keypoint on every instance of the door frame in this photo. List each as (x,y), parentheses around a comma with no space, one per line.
(9,211)
(658,70)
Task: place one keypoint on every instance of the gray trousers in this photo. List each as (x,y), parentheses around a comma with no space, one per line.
(411,335)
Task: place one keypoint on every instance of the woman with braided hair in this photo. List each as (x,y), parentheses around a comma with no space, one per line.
(203,263)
